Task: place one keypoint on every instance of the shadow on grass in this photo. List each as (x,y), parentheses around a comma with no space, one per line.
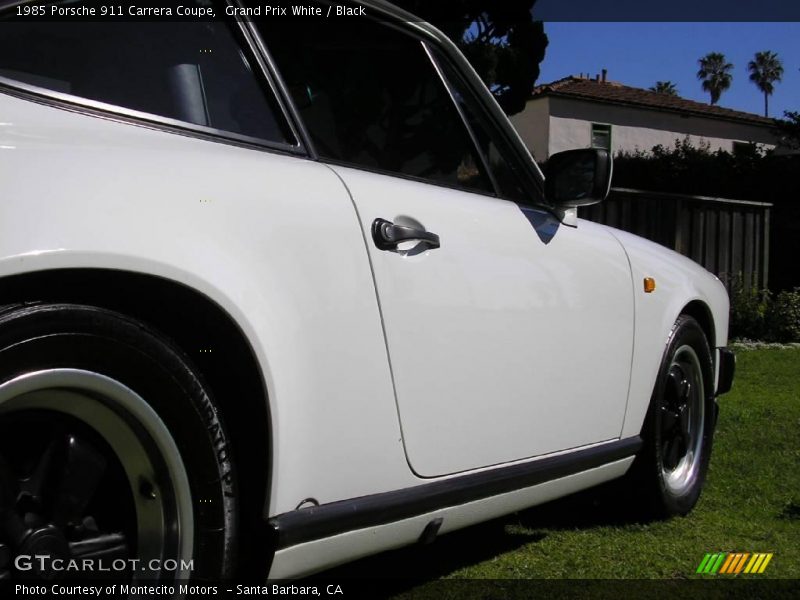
(400,570)
(403,569)
(607,505)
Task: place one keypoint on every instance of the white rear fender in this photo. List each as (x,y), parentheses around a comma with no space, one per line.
(233,224)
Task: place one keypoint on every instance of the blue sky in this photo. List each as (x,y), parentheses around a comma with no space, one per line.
(639,54)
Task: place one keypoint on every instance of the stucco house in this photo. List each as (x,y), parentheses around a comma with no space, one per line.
(579,112)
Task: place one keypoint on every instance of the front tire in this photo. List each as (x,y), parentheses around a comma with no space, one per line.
(111,447)
(679,427)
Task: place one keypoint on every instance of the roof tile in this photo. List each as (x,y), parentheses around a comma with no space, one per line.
(617,93)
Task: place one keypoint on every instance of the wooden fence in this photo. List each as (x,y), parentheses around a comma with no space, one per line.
(728,237)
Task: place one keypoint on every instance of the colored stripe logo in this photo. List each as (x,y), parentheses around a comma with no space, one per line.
(734,563)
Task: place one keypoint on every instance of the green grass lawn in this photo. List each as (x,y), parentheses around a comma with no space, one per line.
(751,503)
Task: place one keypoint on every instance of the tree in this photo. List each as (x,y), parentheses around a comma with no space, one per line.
(665,87)
(788,129)
(765,69)
(715,73)
(500,39)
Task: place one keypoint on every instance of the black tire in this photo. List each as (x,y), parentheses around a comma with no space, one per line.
(678,431)
(95,379)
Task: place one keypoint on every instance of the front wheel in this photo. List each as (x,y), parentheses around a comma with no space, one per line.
(111,452)
(679,426)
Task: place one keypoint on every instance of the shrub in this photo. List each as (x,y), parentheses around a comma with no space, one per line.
(783,317)
(748,173)
(749,308)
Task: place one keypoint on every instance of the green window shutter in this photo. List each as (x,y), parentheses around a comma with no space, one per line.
(601,136)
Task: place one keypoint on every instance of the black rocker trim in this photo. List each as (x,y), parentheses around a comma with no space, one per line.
(317,522)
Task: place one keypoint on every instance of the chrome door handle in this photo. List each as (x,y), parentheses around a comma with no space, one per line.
(387,235)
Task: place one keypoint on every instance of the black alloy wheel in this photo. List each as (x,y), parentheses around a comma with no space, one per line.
(678,431)
(114,462)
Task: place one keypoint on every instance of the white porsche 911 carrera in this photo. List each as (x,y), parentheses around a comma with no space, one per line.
(276,294)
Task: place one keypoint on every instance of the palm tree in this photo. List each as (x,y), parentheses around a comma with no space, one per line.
(665,87)
(715,73)
(765,69)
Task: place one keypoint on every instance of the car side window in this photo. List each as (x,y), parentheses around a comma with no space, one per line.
(486,136)
(190,71)
(370,97)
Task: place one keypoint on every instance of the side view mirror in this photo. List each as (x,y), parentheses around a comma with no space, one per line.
(578,177)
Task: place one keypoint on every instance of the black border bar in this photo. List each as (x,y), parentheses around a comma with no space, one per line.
(544,10)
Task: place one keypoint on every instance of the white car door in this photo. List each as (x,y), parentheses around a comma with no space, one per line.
(509,334)
(511,340)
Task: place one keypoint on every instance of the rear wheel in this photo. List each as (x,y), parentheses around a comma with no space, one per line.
(679,427)
(111,449)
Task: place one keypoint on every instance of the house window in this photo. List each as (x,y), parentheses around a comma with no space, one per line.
(601,136)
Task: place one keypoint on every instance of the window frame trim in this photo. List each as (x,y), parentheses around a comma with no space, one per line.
(533,180)
(485,118)
(451,93)
(266,64)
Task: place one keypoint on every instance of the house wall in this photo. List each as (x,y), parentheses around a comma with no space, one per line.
(569,122)
(532,124)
